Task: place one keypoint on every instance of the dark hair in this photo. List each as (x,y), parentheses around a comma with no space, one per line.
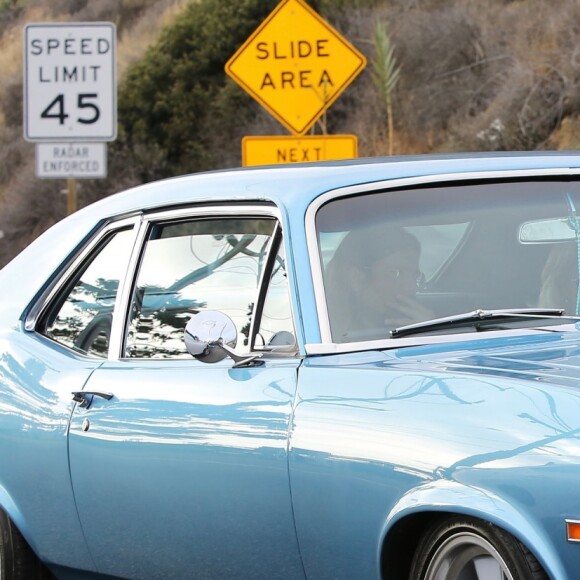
(366,246)
(359,250)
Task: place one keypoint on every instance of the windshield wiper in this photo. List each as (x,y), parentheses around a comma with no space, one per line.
(483,320)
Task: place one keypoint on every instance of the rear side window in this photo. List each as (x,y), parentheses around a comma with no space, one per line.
(81,316)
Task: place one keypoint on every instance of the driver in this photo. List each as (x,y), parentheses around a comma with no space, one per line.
(371,283)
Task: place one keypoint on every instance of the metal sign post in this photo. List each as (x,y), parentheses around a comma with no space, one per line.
(70,99)
(71,195)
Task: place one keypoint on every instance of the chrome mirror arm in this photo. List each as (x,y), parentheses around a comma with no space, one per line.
(210,336)
(239,360)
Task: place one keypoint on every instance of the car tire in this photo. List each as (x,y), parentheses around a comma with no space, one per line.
(17,560)
(463,547)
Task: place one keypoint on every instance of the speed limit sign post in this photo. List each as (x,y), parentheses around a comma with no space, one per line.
(70,91)
(70,85)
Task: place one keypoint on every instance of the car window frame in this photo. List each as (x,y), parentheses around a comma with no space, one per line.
(70,269)
(210,211)
(326,344)
(276,243)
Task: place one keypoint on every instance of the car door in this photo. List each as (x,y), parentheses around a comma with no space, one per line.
(38,370)
(183,472)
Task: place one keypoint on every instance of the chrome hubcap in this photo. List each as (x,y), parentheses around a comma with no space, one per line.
(467,556)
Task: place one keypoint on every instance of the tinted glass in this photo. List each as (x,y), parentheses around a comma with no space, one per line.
(401,257)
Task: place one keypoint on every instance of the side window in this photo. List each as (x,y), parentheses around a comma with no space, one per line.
(438,243)
(276,330)
(81,316)
(190,266)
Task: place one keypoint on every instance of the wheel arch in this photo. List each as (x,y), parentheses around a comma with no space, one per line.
(439,500)
(19,558)
(9,507)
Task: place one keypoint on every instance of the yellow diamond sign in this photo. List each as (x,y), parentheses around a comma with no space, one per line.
(295,65)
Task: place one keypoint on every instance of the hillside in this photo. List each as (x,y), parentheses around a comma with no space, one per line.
(29,205)
(474,75)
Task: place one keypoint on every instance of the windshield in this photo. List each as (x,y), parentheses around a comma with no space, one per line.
(402,257)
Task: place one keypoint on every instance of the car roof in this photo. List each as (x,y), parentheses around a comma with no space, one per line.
(295,186)
(291,187)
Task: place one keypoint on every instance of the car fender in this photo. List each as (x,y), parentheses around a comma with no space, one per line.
(450,496)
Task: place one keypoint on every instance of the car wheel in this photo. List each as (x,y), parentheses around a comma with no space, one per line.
(468,549)
(17,560)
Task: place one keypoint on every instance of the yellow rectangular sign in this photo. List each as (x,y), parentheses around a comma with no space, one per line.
(274,150)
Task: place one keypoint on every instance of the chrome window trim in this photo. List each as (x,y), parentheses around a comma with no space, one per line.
(262,292)
(230,210)
(121,320)
(48,295)
(123,302)
(277,241)
(392,343)
(326,346)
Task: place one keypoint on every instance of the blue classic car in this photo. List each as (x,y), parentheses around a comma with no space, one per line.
(362,369)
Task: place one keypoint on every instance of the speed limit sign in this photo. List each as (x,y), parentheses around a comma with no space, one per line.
(70,88)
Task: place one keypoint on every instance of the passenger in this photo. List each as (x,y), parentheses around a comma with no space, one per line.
(371,283)
(560,278)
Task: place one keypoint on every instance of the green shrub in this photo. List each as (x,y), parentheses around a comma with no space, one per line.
(179,99)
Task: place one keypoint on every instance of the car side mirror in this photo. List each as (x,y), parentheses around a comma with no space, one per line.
(210,336)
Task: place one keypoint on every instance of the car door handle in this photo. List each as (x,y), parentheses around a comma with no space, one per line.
(85,398)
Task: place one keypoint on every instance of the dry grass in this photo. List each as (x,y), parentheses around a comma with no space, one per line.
(478,74)
(11,51)
(567,136)
(137,38)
